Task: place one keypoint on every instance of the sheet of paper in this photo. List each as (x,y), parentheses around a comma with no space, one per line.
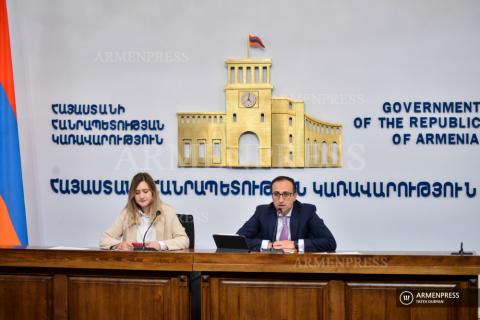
(67,248)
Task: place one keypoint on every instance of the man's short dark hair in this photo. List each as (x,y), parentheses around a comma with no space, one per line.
(285,178)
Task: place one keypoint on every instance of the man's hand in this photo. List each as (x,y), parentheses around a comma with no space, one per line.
(286,245)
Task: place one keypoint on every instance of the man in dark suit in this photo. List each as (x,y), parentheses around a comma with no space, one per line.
(286,223)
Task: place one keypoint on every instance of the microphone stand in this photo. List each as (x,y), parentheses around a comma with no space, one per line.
(461,252)
(274,237)
(143,248)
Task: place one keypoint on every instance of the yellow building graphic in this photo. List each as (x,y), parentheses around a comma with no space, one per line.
(257,130)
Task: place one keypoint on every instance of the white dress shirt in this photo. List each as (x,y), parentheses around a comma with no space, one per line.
(301,242)
(151,235)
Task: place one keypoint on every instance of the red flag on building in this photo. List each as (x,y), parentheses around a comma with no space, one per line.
(255,42)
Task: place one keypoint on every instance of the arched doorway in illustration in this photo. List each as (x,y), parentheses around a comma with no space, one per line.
(248,154)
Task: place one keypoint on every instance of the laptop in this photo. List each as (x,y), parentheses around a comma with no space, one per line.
(230,243)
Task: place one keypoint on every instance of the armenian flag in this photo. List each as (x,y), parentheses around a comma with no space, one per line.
(255,42)
(13,225)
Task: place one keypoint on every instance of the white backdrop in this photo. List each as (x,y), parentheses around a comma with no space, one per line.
(344,58)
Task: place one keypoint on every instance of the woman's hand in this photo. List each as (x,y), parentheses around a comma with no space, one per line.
(153,244)
(124,246)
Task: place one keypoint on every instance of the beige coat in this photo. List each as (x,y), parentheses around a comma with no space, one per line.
(167,226)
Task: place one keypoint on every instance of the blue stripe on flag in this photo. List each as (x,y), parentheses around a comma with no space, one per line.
(11,186)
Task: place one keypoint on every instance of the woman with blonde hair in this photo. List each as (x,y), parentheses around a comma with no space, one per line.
(145,222)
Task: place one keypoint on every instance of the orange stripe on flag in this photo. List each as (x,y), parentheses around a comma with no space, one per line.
(8,236)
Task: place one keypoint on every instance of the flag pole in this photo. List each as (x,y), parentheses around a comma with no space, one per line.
(248,47)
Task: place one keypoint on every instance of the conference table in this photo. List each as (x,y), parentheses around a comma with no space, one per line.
(69,283)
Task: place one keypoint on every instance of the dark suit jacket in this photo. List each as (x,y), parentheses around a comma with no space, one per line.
(304,224)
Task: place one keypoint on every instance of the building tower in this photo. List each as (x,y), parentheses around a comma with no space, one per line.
(248,95)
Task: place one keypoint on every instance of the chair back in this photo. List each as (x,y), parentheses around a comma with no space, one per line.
(187,222)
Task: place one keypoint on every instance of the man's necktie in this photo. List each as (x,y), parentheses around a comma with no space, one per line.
(284,233)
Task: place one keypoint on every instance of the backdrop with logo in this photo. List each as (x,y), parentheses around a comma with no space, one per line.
(99,85)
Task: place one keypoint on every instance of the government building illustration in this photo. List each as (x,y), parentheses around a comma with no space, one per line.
(257,130)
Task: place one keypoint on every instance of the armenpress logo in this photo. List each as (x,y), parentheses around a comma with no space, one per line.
(406,298)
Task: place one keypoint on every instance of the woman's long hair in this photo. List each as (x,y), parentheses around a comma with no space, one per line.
(132,207)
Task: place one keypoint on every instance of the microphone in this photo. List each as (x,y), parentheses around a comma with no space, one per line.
(151,223)
(274,237)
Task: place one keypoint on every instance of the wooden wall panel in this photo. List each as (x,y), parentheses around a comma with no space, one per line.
(264,299)
(180,298)
(378,301)
(25,297)
(92,297)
